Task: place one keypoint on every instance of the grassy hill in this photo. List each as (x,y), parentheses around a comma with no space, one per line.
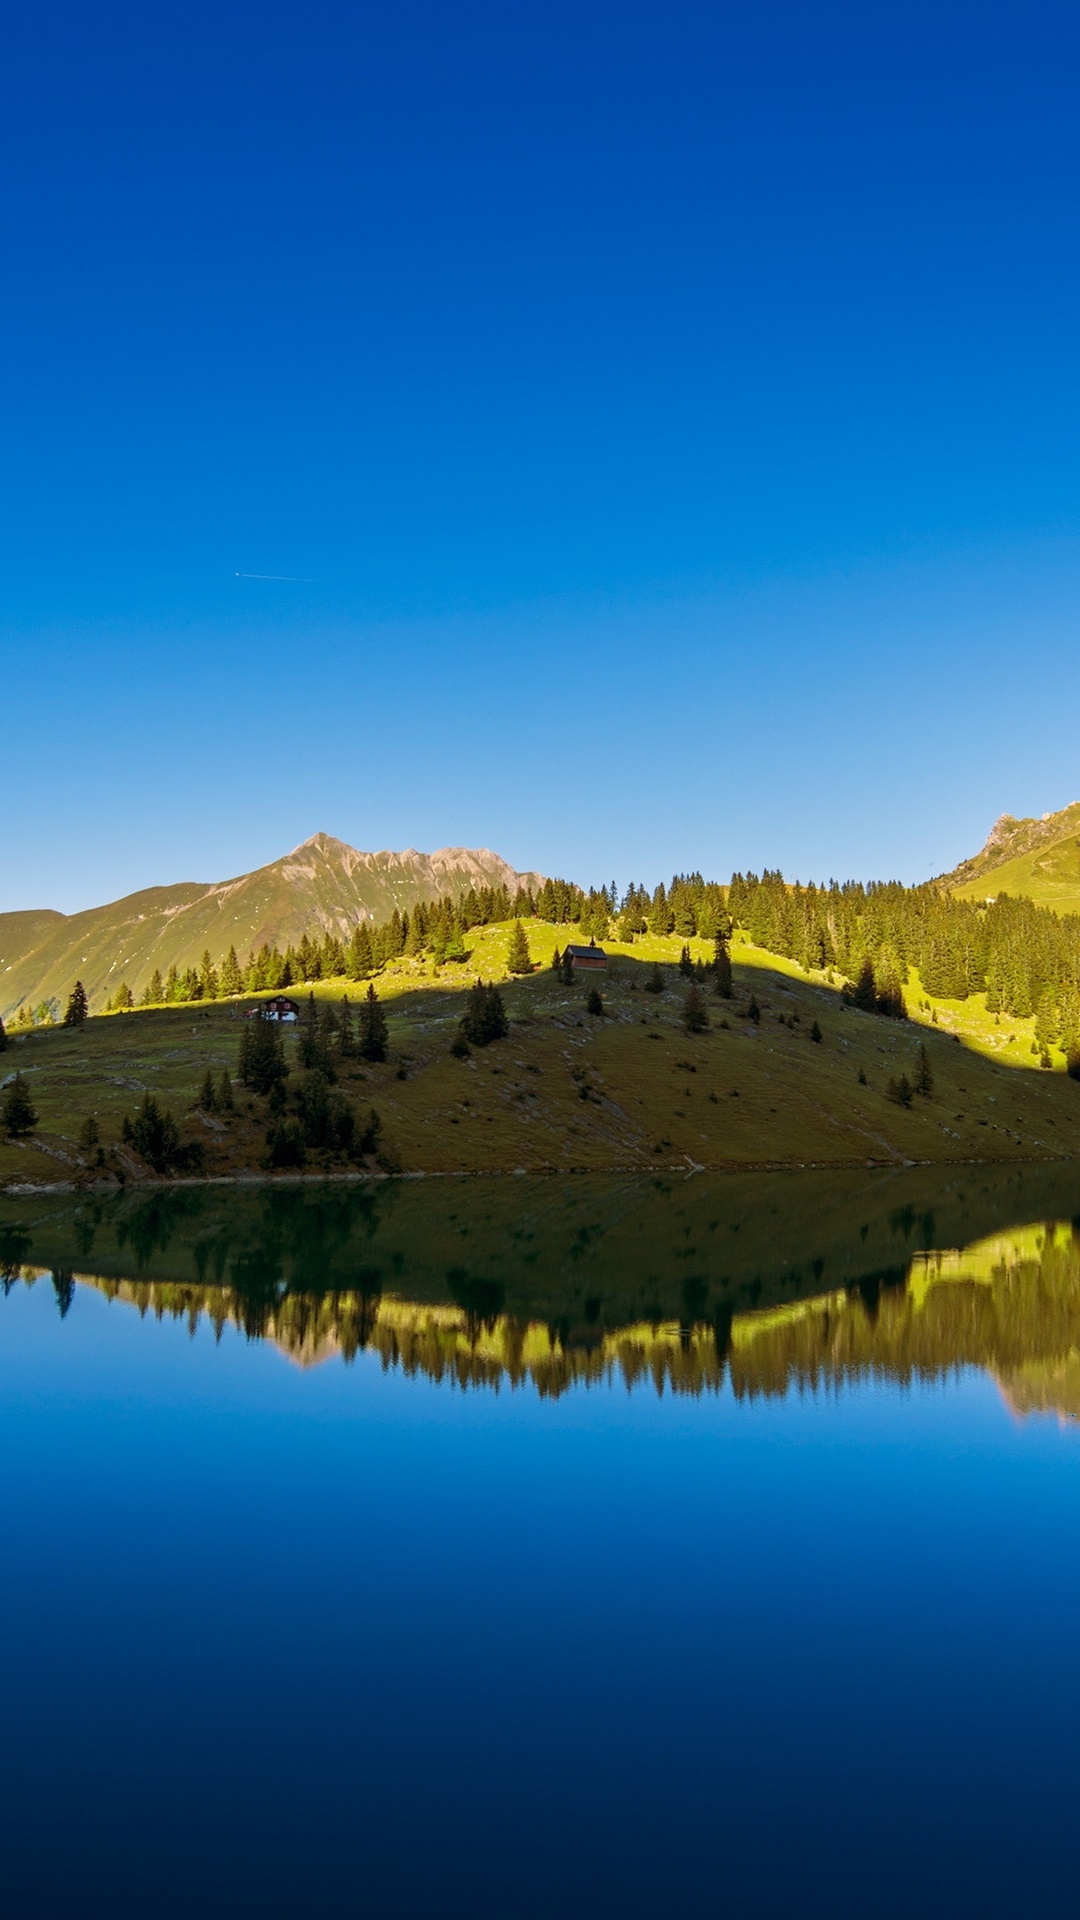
(323,884)
(1037,858)
(567,1090)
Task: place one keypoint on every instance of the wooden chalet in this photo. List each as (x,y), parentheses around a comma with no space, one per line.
(586,959)
(278,1007)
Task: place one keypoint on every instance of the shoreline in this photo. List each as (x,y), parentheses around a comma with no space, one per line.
(688,1169)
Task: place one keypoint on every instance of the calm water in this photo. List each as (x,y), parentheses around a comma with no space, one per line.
(528,1549)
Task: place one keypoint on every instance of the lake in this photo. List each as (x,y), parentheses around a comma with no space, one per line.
(607,1546)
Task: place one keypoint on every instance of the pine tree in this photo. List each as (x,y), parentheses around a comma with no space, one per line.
(261,1065)
(208,977)
(655,981)
(899,1091)
(207,1094)
(360,959)
(327,1041)
(307,1044)
(77,1008)
(556,961)
(753,1011)
(231,981)
(484,1019)
(815,1034)
(172,984)
(225,1099)
(722,968)
(519,959)
(373,1028)
(924,1077)
(864,993)
(695,1016)
(346,1033)
(594,1002)
(686,965)
(567,968)
(18,1115)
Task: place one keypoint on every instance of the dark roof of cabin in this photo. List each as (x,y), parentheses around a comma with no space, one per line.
(583,953)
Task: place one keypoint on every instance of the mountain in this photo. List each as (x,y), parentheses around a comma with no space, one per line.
(1039,858)
(322,885)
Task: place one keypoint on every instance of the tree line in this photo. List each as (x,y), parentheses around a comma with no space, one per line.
(434,929)
(1025,958)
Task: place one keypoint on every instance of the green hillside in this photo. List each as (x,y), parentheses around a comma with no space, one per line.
(572,1090)
(1037,858)
(323,885)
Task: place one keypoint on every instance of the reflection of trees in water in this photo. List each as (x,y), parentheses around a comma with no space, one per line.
(1011,1305)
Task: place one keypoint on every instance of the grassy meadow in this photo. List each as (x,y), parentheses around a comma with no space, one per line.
(567,1090)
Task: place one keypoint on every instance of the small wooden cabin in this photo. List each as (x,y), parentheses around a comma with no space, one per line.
(586,959)
(278,1007)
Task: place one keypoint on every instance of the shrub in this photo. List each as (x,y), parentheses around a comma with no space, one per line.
(753,1011)
(900,1091)
(285,1144)
(695,1017)
(326,1120)
(815,1034)
(594,1002)
(655,981)
(155,1137)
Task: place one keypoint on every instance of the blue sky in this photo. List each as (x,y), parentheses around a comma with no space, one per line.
(668,418)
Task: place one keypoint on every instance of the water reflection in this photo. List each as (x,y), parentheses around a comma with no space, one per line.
(768,1282)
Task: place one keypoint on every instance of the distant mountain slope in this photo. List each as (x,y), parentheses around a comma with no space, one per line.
(1039,858)
(322,884)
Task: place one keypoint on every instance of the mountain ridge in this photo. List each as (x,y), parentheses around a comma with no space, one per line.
(1039,858)
(323,885)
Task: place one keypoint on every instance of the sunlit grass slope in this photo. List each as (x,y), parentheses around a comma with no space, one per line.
(1036,858)
(567,1090)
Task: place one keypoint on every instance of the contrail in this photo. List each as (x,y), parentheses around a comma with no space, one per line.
(302,579)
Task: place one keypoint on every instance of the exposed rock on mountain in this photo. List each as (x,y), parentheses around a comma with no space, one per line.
(322,885)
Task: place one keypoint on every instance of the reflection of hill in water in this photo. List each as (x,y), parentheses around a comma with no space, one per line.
(766,1282)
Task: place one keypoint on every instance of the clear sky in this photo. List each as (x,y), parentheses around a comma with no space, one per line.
(666,417)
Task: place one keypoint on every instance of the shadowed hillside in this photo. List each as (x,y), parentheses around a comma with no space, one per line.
(785,1072)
